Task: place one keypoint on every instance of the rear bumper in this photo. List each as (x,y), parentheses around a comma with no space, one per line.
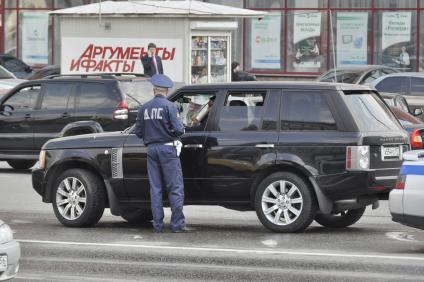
(354,184)
(13,252)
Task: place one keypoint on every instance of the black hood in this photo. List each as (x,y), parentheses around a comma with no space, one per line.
(96,140)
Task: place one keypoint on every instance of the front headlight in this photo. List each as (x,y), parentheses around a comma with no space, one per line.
(6,234)
(42,159)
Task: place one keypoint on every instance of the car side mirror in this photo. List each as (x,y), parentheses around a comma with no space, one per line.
(418,112)
(6,110)
(28,69)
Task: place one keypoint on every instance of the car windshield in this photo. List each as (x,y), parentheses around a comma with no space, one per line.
(345,77)
(370,112)
(4,74)
(140,91)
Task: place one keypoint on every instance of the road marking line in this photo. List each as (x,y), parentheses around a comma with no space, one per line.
(240,251)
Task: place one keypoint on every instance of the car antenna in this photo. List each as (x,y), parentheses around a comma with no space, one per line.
(333,45)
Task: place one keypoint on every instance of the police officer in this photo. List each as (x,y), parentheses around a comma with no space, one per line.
(159,126)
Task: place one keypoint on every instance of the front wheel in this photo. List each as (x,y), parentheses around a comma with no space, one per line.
(21,164)
(78,198)
(340,220)
(284,203)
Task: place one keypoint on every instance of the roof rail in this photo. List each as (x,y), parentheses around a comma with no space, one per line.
(101,75)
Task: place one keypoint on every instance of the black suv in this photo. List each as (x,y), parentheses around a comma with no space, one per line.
(294,152)
(39,110)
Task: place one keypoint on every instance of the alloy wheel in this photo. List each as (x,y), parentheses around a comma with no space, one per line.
(282,202)
(71,198)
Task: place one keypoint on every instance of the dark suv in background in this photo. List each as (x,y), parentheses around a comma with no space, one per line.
(39,110)
(294,152)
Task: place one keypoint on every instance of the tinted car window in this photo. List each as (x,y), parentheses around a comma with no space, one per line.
(24,99)
(417,86)
(371,76)
(56,96)
(242,112)
(395,84)
(14,65)
(306,110)
(370,113)
(96,95)
(345,77)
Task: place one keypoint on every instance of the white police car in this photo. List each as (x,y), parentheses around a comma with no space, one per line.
(406,201)
(10,252)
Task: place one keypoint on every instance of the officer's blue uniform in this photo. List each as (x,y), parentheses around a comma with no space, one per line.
(159,125)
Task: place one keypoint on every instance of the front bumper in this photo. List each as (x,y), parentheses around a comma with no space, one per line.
(13,252)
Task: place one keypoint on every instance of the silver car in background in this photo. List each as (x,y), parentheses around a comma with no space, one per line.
(10,253)
(406,201)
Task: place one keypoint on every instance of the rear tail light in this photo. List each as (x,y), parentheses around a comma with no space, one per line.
(416,139)
(357,157)
(121,111)
(400,182)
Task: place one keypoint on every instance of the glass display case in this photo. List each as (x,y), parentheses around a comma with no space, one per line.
(210,59)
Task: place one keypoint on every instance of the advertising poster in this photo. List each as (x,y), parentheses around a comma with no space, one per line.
(307,41)
(395,39)
(265,42)
(35,40)
(82,55)
(352,37)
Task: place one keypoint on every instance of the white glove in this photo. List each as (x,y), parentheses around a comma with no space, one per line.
(178,146)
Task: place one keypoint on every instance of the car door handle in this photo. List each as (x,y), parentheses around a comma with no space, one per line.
(264,145)
(65,115)
(193,146)
(27,116)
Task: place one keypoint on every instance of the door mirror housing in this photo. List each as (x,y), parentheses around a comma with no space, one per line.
(6,110)
(418,112)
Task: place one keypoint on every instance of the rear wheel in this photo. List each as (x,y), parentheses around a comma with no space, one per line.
(21,164)
(284,203)
(78,198)
(342,219)
(137,215)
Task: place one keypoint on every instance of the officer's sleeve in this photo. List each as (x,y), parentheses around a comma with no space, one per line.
(176,123)
(139,124)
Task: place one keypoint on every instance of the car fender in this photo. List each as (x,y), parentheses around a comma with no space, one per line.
(78,127)
(324,203)
(70,159)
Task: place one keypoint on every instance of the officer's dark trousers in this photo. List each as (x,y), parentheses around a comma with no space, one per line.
(164,169)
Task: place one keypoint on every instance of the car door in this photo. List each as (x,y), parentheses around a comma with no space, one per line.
(241,141)
(192,156)
(55,112)
(16,118)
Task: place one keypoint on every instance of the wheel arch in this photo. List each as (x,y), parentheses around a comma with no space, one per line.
(59,168)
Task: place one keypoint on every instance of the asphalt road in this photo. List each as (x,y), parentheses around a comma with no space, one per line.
(225,245)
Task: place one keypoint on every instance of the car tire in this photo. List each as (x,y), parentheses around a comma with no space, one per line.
(287,210)
(340,220)
(137,215)
(21,164)
(80,203)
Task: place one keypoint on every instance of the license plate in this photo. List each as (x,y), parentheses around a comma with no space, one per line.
(3,263)
(391,153)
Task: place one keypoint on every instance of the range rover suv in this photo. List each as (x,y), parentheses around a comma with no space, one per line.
(294,152)
(39,110)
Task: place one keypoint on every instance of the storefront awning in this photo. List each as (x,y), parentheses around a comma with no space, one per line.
(161,8)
